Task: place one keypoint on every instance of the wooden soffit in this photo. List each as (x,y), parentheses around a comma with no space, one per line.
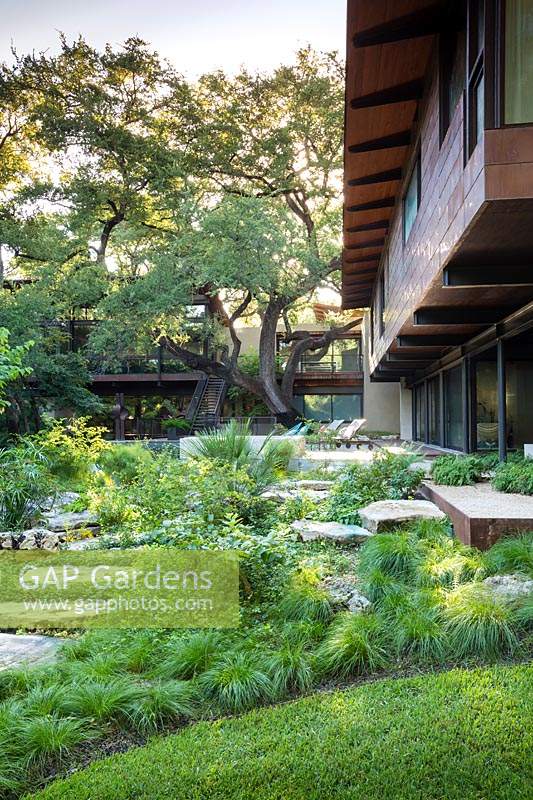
(389,44)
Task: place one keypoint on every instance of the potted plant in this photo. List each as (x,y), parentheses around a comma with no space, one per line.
(176,427)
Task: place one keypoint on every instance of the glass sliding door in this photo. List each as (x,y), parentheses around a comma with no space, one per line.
(453,408)
(420,413)
(486,406)
(519,403)
(434,434)
(518,98)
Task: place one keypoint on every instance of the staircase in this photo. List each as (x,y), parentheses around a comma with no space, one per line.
(205,408)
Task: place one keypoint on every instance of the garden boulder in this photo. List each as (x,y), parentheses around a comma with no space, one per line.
(510,587)
(70,520)
(32,539)
(344,593)
(385,515)
(309,530)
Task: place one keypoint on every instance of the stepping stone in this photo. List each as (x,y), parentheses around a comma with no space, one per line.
(282,495)
(17,651)
(316,485)
(310,530)
(386,515)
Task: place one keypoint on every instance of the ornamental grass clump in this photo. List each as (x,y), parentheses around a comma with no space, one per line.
(355,644)
(101,701)
(306,604)
(511,554)
(479,622)
(162,703)
(191,655)
(42,739)
(398,555)
(419,634)
(290,667)
(235,683)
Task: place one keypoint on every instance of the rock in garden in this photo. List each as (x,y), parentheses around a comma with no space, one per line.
(510,586)
(17,651)
(32,539)
(385,515)
(69,520)
(282,495)
(344,593)
(309,530)
(313,485)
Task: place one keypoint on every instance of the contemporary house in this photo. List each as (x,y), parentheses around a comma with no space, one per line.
(438,214)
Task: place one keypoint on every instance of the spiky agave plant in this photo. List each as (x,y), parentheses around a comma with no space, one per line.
(188,657)
(236,683)
(290,667)
(163,703)
(354,644)
(511,554)
(479,623)
(231,444)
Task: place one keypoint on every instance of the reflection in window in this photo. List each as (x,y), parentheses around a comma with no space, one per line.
(453,401)
(434,411)
(420,413)
(486,406)
(326,407)
(411,200)
(518,61)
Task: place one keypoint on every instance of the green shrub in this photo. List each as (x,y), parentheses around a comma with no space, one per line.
(236,683)
(515,476)
(457,470)
(72,447)
(354,644)
(387,477)
(125,462)
(162,703)
(24,484)
(479,622)
(511,554)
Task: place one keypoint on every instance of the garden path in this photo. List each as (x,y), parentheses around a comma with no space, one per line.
(16,651)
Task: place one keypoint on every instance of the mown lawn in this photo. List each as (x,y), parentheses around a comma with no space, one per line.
(453,736)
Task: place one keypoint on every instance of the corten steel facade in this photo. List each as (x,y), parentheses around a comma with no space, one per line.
(438,217)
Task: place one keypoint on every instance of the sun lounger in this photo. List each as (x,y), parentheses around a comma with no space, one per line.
(348,436)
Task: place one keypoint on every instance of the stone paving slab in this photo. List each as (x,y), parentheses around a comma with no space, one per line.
(17,651)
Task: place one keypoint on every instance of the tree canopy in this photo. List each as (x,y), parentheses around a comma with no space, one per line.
(125,190)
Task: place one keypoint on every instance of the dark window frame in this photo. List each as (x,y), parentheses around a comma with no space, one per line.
(449,44)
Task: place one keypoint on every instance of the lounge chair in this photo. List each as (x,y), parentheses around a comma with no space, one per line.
(348,436)
(326,432)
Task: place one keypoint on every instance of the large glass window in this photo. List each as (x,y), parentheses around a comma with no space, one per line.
(434,411)
(519,403)
(486,405)
(326,407)
(518,61)
(453,404)
(452,75)
(411,201)
(420,413)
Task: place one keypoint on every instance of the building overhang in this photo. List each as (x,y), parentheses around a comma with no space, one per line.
(389,45)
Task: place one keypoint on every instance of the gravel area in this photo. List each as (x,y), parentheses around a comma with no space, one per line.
(484,502)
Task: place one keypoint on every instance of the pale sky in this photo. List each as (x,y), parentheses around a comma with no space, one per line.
(195,35)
